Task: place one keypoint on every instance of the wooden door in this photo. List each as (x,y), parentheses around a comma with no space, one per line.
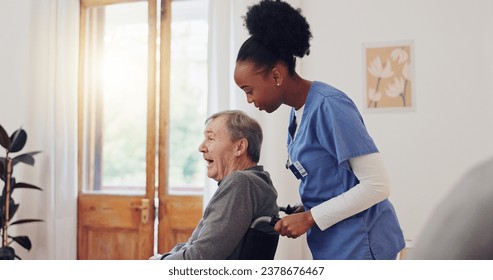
(116,219)
(114,227)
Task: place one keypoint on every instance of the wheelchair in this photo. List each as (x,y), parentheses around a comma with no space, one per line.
(260,245)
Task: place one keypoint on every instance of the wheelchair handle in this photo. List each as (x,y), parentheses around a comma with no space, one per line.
(288,209)
(272,220)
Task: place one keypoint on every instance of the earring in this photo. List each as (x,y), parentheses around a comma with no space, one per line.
(277,84)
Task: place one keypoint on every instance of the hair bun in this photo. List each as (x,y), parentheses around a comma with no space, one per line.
(279,26)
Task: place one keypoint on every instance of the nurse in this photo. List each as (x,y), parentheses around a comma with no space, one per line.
(344,186)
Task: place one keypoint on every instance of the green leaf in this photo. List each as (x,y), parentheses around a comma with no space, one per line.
(18,140)
(12,183)
(21,185)
(4,138)
(24,221)
(26,158)
(24,241)
(7,253)
(12,209)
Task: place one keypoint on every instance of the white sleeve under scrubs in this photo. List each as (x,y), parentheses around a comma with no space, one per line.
(330,133)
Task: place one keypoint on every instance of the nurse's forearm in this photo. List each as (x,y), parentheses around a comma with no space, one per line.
(373,187)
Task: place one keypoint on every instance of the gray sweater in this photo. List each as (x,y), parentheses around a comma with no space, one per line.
(242,196)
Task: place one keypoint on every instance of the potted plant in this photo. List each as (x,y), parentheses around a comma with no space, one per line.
(8,207)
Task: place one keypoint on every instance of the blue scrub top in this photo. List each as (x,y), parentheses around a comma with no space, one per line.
(331,132)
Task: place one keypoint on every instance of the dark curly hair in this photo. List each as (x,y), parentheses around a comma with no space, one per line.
(278,33)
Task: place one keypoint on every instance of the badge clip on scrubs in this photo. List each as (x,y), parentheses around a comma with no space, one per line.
(298,170)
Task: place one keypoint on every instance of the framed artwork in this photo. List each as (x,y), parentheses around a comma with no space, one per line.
(388,76)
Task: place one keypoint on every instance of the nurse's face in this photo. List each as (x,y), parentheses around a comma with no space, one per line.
(218,150)
(260,87)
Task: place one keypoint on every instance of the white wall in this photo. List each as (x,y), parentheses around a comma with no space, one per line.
(14,57)
(427,150)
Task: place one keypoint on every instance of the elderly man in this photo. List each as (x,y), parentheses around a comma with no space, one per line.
(231,149)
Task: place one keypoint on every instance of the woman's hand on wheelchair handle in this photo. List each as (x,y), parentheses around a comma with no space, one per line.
(295,225)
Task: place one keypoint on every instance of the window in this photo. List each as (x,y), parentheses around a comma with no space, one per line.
(115,96)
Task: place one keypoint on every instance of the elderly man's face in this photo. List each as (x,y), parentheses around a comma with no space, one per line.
(218,150)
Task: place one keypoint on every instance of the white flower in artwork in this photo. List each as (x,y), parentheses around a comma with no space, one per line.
(400,55)
(379,69)
(406,72)
(396,89)
(374,95)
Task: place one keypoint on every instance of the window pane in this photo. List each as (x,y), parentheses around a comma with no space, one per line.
(116,103)
(189,35)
